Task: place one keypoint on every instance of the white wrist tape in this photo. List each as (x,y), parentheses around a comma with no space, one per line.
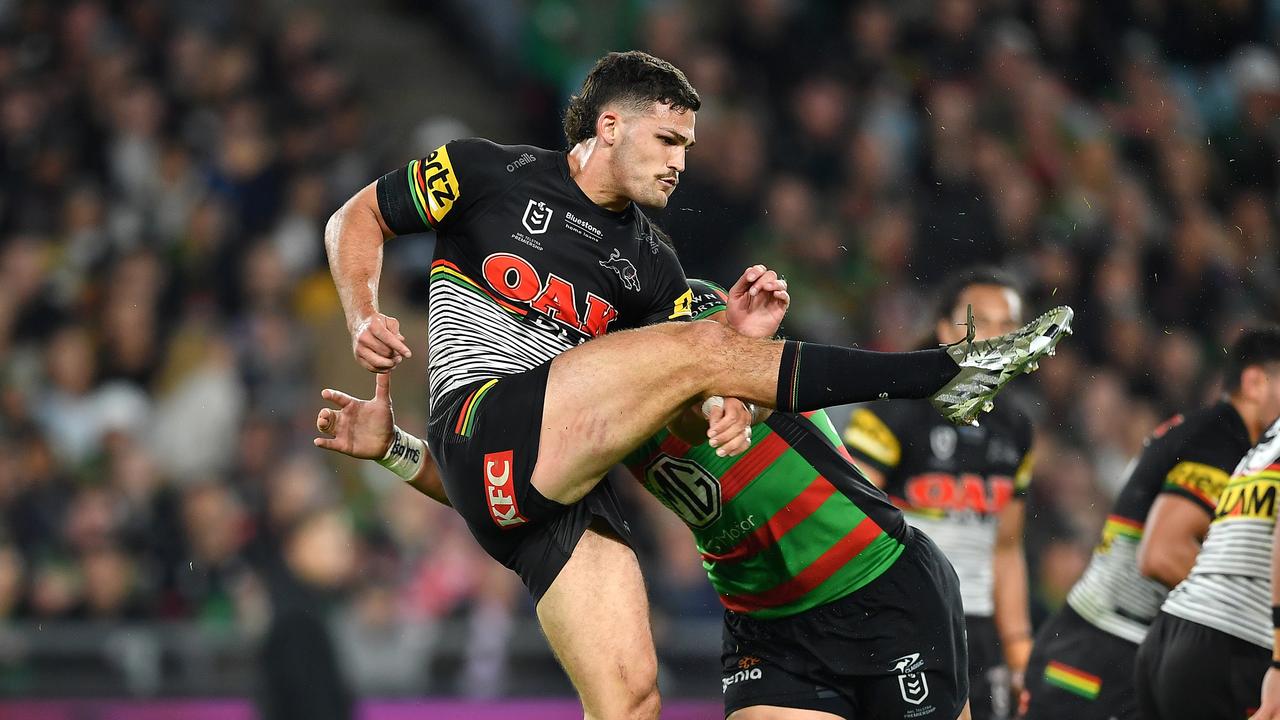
(715,401)
(405,456)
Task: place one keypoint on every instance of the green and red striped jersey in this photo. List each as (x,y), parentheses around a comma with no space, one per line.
(786,526)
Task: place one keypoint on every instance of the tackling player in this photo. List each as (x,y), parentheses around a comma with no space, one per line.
(1082,664)
(834,605)
(540,251)
(1208,653)
(965,486)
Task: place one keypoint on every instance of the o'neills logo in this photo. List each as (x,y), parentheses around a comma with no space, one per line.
(498,491)
(520,162)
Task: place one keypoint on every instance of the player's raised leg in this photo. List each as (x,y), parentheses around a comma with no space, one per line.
(604,397)
(596,619)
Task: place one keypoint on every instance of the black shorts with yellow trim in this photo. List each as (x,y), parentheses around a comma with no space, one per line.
(484,437)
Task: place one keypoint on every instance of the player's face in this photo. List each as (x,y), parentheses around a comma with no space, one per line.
(650,153)
(996,310)
(1270,391)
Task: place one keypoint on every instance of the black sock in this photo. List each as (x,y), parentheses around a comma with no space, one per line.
(814,376)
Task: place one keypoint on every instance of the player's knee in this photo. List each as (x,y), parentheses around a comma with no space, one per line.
(647,705)
(641,681)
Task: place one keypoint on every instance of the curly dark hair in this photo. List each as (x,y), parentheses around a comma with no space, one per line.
(635,78)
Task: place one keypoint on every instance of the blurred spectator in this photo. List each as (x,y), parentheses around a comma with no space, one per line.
(301,676)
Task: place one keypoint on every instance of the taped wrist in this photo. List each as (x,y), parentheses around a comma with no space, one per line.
(405,456)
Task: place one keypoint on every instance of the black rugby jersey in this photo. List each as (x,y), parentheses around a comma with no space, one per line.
(526,265)
(951,481)
(1191,456)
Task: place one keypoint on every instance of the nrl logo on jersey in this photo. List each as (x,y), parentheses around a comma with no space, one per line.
(537,217)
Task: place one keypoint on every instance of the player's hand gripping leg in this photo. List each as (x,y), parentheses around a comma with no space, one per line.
(729,428)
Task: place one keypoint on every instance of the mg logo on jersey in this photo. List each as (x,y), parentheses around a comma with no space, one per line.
(911,681)
(537,217)
(498,490)
(686,488)
(944,491)
(624,269)
(515,278)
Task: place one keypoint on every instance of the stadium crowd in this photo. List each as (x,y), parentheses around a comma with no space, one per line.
(167,318)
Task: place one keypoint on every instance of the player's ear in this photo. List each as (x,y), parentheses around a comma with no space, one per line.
(607,127)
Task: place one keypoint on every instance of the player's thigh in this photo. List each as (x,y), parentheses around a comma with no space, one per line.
(772,712)
(596,618)
(606,396)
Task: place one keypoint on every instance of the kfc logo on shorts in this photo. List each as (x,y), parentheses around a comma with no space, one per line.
(537,217)
(498,490)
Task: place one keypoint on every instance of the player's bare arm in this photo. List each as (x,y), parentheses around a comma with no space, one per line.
(353,239)
(1012,613)
(1171,539)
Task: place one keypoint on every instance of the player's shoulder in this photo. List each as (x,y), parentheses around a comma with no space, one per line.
(1215,434)
(1217,423)
(508,160)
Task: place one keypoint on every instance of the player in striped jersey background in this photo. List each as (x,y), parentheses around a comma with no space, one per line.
(1208,652)
(1082,664)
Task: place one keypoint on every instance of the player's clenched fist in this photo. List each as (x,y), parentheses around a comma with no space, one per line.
(377,343)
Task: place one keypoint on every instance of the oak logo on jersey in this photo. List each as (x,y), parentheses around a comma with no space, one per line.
(686,488)
(516,279)
(1249,498)
(944,491)
(498,490)
(624,269)
(537,217)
